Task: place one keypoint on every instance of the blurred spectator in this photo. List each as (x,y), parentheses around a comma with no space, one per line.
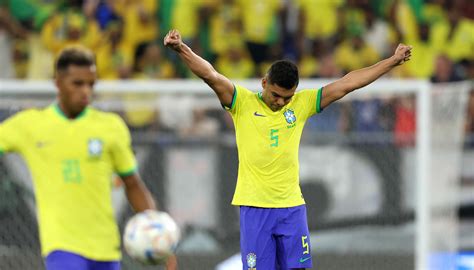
(328,67)
(114,55)
(70,26)
(150,63)
(20,58)
(225,27)
(406,18)
(422,63)
(444,70)
(140,108)
(405,122)
(354,19)
(434,11)
(260,26)
(29,55)
(455,37)
(235,63)
(379,34)
(186,16)
(361,116)
(354,53)
(100,10)
(9,30)
(275,51)
(318,21)
(31,14)
(139,16)
(308,65)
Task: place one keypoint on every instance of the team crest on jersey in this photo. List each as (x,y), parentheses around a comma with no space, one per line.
(290,116)
(95,147)
(251,261)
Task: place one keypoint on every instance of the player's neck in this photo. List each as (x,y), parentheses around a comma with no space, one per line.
(68,114)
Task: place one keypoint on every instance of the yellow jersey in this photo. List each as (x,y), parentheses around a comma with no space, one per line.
(259,19)
(72,163)
(268,144)
(321,17)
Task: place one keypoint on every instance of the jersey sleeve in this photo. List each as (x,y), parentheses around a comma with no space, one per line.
(12,133)
(122,155)
(240,94)
(313,99)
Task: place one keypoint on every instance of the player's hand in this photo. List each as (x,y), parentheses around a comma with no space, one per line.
(173,40)
(402,53)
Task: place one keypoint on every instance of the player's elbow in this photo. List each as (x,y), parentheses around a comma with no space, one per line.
(346,86)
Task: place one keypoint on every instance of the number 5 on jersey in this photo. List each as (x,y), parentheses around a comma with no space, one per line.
(274,137)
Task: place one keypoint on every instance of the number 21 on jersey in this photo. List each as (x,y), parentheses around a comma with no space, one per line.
(71,171)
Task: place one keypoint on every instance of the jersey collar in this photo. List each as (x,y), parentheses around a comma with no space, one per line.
(268,109)
(61,114)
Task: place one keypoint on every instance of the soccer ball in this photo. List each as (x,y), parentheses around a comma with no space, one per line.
(151,237)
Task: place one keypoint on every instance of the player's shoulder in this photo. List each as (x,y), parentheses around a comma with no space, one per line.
(243,92)
(106,118)
(305,92)
(242,89)
(27,115)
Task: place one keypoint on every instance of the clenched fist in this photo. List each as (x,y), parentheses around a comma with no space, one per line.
(402,53)
(173,40)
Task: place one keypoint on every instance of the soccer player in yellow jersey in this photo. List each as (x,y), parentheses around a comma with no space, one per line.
(72,151)
(268,124)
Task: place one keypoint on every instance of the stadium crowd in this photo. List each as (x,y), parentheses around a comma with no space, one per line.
(326,38)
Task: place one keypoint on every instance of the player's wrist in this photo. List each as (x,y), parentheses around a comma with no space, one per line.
(179,48)
(393,61)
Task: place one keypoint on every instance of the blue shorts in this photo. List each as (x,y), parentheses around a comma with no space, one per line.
(274,238)
(61,260)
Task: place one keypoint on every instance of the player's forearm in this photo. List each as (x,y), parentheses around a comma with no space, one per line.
(362,77)
(198,65)
(139,196)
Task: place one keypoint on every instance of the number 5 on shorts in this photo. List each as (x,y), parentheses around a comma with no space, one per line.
(304,241)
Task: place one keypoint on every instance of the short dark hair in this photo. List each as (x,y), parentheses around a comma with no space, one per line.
(75,55)
(283,73)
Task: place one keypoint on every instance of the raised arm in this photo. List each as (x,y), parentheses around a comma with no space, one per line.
(362,77)
(222,86)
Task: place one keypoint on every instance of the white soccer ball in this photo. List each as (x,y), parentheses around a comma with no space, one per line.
(151,237)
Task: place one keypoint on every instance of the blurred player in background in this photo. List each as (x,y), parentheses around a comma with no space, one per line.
(273,225)
(72,151)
